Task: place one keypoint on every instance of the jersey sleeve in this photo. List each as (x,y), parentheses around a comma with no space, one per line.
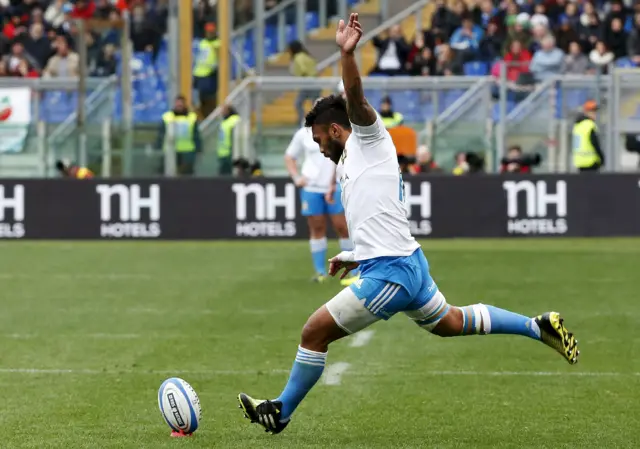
(375,141)
(370,134)
(296,146)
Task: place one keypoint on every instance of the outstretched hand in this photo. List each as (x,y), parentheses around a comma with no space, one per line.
(348,36)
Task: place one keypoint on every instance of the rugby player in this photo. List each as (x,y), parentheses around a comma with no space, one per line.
(394,273)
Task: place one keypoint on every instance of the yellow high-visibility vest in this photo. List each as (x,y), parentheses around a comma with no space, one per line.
(584,153)
(184,126)
(207,58)
(395,120)
(225,136)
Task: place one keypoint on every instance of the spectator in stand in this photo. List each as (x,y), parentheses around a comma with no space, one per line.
(617,10)
(104,8)
(591,33)
(571,15)
(633,41)
(447,63)
(616,38)
(491,44)
(538,32)
(547,61)
(444,20)
(106,64)
(83,9)
(601,57)
(576,62)
(517,60)
(38,45)
(424,63)
(55,13)
(588,8)
(14,27)
(487,13)
(65,63)
(466,39)
(393,52)
(145,35)
(518,32)
(19,62)
(566,34)
(37,17)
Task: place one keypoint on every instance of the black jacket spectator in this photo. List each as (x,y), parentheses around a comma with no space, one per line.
(565,35)
(144,33)
(616,38)
(38,45)
(491,44)
(444,20)
(424,63)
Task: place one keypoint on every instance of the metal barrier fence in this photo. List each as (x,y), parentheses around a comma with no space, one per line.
(40,113)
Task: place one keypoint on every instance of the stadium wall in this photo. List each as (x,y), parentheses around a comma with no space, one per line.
(269,208)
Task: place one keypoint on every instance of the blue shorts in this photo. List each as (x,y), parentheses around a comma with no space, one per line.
(313,203)
(389,285)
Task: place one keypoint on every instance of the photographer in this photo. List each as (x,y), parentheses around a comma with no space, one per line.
(518,162)
(468,163)
(70,170)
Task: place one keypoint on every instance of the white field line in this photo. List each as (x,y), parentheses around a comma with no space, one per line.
(333,373)
(361,338)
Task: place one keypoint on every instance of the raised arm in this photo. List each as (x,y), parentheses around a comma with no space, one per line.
(347,37)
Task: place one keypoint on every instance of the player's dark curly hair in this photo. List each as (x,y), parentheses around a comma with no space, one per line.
(327,110)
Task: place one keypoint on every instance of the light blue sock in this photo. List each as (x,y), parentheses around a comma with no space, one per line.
(481,319)
(319,254)
(306,371)
(346,245)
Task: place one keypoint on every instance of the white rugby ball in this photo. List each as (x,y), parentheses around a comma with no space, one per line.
(179,405)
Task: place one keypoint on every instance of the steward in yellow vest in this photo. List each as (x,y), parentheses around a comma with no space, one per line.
(587,154)
(205,71)
(226,137)
(186,136)
(390,118)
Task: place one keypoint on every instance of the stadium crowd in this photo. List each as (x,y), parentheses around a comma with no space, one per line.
(536,39)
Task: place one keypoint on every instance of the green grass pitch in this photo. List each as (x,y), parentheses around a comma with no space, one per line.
(103,324)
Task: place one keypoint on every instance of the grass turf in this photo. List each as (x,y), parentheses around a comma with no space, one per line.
(103,324)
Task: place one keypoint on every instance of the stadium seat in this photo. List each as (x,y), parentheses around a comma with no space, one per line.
(312,21)
(476,68)
(624,63)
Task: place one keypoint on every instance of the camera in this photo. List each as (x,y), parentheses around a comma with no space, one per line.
(524,160)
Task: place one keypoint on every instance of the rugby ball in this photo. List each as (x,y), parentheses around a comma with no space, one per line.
(179,405)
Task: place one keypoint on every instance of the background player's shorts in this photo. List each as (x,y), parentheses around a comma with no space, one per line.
(387,285)
(313,203)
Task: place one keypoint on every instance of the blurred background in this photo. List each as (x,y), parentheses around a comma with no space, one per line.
(218,87)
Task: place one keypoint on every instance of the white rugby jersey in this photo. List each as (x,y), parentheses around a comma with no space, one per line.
(317,169)
(373,194)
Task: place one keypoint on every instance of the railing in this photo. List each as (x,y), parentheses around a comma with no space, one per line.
(415,9)
(285,12)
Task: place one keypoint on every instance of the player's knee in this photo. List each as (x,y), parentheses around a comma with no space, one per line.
(437,317)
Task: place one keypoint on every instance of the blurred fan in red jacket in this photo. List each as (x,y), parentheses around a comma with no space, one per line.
(83,9)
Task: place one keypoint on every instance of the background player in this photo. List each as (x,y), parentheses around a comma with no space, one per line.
(320,198)
(394,272)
